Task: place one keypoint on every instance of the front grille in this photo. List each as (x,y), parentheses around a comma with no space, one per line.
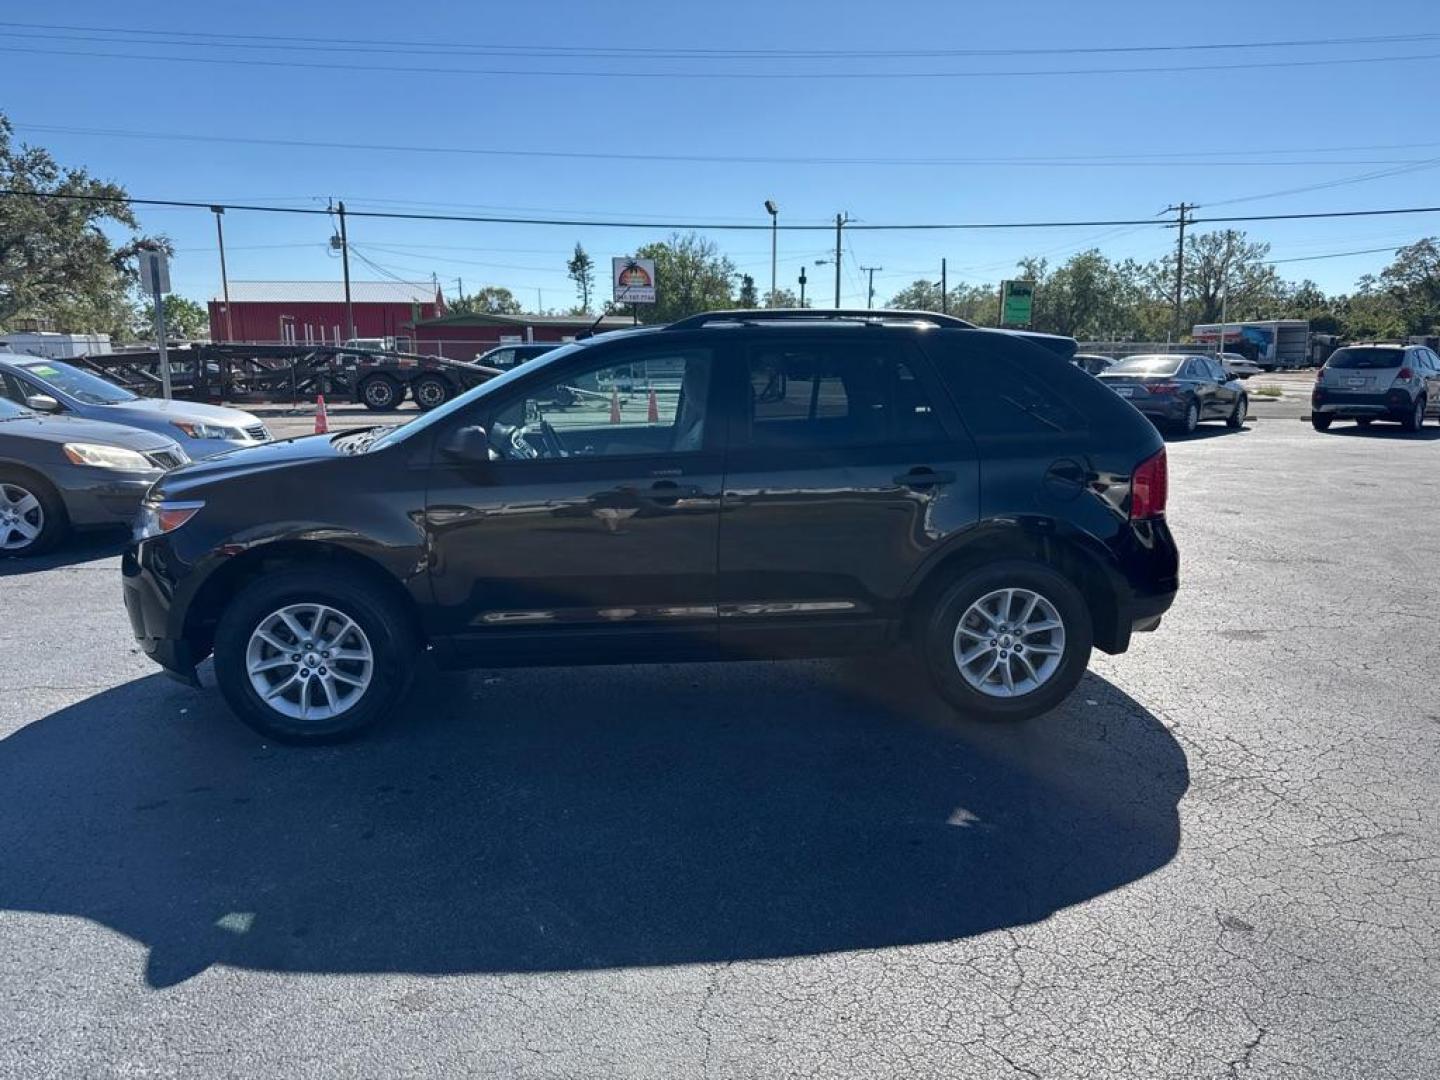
(258,432)
(167,459)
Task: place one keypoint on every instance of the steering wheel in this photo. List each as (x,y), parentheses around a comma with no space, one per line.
(519,447)
(554,448)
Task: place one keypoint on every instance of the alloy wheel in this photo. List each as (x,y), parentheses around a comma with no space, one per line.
(1009,642)
(309,662)
(22,518)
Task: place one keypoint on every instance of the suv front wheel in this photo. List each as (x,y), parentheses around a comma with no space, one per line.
(1008,641)
(312,655)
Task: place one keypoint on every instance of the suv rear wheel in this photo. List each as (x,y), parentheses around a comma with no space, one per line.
(1416,420)
(312,655)
(1008,641)
(1321,421)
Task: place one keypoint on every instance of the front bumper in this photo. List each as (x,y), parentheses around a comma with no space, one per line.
(102,496)
(148,603)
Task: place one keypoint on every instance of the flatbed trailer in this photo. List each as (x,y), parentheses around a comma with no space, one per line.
(239,373)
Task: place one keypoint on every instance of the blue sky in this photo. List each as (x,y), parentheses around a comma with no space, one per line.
(1217,134)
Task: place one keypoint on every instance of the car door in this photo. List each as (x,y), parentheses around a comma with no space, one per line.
(1227,387)
(1432,382)
(591,532)
(846,468)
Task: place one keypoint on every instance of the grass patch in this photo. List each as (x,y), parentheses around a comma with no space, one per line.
(1269,390)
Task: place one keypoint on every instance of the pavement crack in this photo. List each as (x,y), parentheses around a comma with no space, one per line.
(1236,1065)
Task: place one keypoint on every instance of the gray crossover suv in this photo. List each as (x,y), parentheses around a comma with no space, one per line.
(1377,382)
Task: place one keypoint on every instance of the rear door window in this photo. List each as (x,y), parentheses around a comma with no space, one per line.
(840,394)
(1004,387)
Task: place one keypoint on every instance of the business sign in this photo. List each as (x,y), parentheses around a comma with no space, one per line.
(154,271)
(1017,303)
(634,280)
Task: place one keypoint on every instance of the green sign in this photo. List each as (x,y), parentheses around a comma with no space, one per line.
(1017,302)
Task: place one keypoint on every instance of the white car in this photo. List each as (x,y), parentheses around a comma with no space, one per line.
(1239,366)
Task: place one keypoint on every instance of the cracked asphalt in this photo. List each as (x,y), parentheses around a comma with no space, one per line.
(1219,859)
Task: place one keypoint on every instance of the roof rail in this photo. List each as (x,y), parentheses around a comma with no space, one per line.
(874,315)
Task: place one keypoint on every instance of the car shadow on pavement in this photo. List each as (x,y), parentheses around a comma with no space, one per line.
(86,547)
(582,818)
(1208,431)
(1428,433)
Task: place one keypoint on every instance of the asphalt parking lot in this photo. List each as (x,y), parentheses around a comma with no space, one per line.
(1221,858)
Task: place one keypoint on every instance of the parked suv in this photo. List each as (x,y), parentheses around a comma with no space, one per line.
(1377,382)
(769,484)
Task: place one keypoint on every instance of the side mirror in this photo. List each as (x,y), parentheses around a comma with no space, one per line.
(42,403)
(470,443)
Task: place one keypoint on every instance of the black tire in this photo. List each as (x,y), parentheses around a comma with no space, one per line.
(1188,425)
(381,393)
(1236,419)
(1416,418)
(1321,421)
(386,630)
(431,391)
(941,626)
(19,486)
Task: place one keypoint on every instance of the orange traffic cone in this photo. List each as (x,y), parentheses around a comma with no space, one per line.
(652,412)
(322,418)
(614,406)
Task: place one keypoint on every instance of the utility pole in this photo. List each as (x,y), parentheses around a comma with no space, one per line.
(345,264)
(774,212)
(870,288)
(840,220)
(802,286)
(944,290)
(224,278)
(1183,209)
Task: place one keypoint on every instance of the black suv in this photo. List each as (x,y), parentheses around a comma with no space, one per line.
(738,485)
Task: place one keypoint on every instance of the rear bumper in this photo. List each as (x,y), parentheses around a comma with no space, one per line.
(1339,403)
(1162,407)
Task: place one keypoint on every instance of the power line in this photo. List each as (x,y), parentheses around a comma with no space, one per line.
(671,52)
(1334,255)
(522,73)
(208,204)
(1088,161)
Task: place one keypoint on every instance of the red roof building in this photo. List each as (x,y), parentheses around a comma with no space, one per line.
(306,311)
(464,337)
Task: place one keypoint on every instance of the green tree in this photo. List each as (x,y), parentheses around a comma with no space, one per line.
(581,269)
(491,300)
(185,320)
(781,298)
(691,276)
(1413,282)
(58,265)
(974,303)
(749,298)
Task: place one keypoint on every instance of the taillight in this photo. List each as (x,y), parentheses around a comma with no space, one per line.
(1162,387)
(1405,375)
(1149,487)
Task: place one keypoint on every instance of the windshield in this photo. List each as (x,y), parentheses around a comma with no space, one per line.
(10,411)
(424,420)
(1366,358)
(1146,365)
(81,385)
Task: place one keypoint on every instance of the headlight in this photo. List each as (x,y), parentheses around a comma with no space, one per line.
(198,430)
(158,517)
(107,457)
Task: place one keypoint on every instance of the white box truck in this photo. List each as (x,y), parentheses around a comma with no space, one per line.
(1274,344)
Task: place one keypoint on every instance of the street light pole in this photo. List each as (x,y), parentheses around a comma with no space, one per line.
(224,277)
(840,220)
(774,212)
